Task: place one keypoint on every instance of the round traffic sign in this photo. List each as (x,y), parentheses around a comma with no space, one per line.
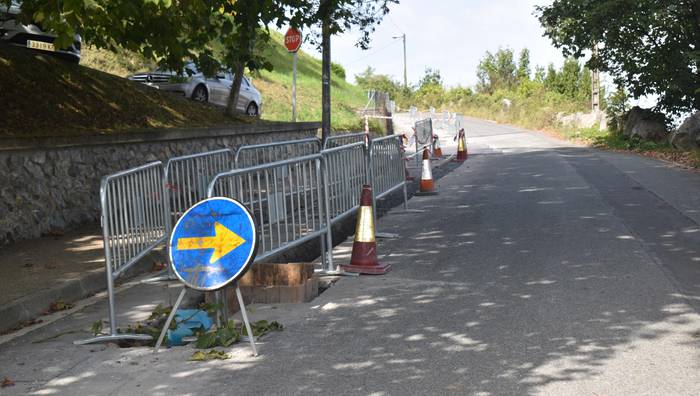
(213,243)
(292,40)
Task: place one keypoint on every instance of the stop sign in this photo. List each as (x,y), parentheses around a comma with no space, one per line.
(292,40)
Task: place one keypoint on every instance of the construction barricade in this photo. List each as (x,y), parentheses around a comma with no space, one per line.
(257,154)
(286,199)
(294,189)
(187,178)
(135,220)
(345,139)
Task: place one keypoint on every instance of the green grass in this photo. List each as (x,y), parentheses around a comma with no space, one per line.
(276,89)
(275,86)
(95,98)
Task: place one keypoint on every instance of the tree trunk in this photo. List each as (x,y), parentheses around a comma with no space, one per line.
(326,78)
(231,107)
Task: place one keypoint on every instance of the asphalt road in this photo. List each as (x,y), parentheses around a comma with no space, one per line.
(541,268)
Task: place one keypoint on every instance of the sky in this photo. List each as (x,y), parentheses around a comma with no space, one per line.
(448,35)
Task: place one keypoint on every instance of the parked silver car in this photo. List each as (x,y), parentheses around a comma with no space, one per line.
(197,87)
(32,36)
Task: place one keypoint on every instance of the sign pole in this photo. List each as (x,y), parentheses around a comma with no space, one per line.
(294,88)
(292,41)
(166,326)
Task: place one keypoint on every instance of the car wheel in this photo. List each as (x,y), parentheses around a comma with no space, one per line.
(252,109)
(200,94)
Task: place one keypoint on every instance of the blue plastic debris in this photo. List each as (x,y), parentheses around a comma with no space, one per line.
(188,321)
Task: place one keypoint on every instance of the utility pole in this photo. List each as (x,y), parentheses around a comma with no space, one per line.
(326,72)
(405,78)
(595,81)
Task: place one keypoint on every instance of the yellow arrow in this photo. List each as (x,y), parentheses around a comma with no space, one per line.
(223,242)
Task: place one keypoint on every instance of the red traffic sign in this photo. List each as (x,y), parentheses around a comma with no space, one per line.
(292,40)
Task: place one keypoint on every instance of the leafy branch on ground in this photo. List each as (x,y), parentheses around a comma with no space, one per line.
(231,332)
(199,356)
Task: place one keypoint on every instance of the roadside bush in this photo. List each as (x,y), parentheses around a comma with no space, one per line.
(338,70)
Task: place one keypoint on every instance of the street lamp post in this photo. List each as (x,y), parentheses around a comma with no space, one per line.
(405,78)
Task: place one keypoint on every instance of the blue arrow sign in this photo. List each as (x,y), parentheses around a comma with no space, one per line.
(213,243)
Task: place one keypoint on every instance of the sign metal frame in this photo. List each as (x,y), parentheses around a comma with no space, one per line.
(218,288)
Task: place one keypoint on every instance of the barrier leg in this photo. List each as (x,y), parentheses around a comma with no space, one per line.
(113,334)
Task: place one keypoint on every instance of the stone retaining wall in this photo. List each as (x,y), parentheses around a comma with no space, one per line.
(52,184)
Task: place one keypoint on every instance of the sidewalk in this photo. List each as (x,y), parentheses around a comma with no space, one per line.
(69,267)
(54,269)
(40,360)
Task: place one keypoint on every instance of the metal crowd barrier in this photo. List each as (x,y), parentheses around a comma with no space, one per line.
(287,201)
(345,168)
(134,221)
(257,154)
(293,200)
(188,177)
(344,139)
(423,138)
(387,167)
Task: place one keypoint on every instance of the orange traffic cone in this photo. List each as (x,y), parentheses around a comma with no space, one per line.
(364,247)
(462,153)
(427,184)
(437,151)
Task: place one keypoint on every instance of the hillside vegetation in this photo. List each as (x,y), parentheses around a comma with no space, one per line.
(44,96)
(275,86)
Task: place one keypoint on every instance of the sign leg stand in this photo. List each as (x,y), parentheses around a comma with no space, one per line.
(244,314)
(170,319)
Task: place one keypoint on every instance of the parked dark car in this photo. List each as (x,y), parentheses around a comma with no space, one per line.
(32,36)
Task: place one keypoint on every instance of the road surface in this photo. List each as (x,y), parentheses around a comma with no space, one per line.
(541,268)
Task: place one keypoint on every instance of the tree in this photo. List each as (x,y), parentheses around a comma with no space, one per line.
(430,77)
(523,73)
(214,34)
(250,24)
(334,17)
(496,71)
(568,79)
(648,46)
(550,80)
(371,81)
(540,74)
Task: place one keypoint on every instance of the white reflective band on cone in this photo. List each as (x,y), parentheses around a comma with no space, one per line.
(427,174)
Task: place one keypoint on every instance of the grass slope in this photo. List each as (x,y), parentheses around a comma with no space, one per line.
(44,96)
(276,89)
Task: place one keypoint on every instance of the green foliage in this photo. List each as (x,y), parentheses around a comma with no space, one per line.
(430,77)
(650,46)
(370,81)
(338,70)
(523,72)
(199,356)
(617,141)
(96,328)
(497,71)
(617,106)
(231,332)
(341,15)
